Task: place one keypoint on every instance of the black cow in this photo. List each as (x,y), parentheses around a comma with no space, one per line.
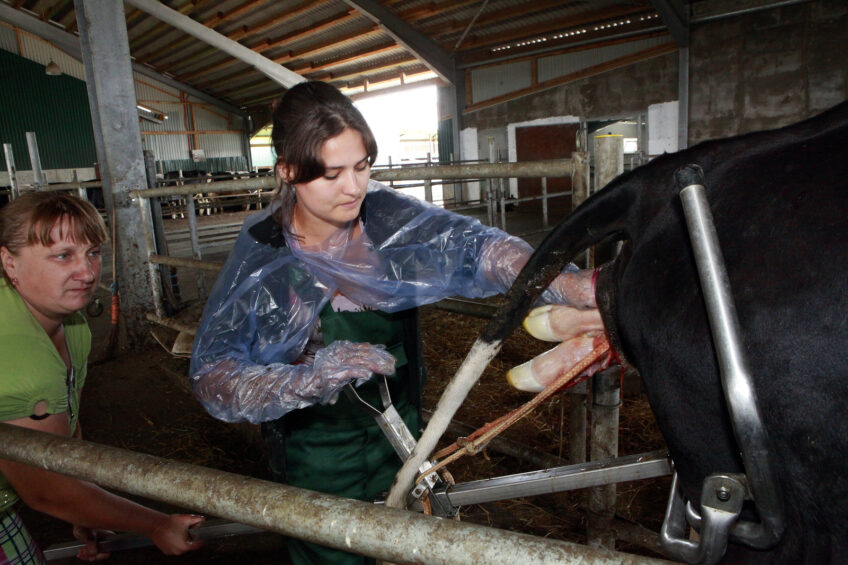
(779,200)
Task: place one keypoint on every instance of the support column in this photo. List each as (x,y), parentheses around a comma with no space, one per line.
(112,100)
(606,391)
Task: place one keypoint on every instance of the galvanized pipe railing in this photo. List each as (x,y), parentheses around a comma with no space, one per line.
(532,169)
(351,525)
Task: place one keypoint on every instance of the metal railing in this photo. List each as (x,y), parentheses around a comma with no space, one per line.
(350,525)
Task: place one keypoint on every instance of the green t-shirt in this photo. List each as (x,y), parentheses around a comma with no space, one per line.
(31,369)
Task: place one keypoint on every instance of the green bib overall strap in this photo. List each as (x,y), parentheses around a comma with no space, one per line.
(338,448)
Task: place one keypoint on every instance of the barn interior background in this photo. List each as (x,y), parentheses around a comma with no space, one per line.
(190,84)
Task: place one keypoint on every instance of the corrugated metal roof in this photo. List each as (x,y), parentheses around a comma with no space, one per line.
(317,38)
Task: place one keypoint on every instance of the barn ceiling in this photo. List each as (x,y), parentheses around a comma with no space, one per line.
(364,45)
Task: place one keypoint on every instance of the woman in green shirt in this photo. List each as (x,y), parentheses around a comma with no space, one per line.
(50,252)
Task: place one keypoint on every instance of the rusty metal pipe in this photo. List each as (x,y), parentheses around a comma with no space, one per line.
(351,525)
(188,263)
(530,169)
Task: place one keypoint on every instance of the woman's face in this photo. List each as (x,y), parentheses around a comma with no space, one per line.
(331,201)
(57,280)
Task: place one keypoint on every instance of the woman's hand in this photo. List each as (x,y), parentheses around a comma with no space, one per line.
(90,537)
(171,535)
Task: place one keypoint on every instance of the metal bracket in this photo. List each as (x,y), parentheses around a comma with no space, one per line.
(721,503)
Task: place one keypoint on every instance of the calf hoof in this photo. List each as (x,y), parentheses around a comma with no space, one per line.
(538,324)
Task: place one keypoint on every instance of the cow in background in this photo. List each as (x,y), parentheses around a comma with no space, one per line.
(176,205)
(234,200)
(779,200)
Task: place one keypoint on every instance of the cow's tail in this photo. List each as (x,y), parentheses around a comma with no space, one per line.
(603,214)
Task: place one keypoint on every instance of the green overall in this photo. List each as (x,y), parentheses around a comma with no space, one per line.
(339,449)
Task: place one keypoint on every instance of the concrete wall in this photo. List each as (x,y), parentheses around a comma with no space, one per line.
(618,92)
(748,72)
(767,69)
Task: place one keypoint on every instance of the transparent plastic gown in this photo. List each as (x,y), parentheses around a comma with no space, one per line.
(266,300)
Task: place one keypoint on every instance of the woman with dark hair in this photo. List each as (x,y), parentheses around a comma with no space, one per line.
(321,290)
(50,252)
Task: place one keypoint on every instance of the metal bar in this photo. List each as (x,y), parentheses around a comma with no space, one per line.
(173,324)
(117,139)
(603,434)
(13,171)
(149,248)
(560,479)
(351,525)
(81,192)
(528,169)
(531,169)
(544,202)
(264,65)
(502,202)
(188,263)
(603,445)
(195,243)
(71,185)
(118,542)
(739,393)
(262,183)
(466,307)
(743,11)
(35,160)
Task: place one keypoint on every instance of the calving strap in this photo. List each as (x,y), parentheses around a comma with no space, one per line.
(478,440)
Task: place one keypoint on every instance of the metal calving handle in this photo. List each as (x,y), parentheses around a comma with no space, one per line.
(739,392)
(401,439)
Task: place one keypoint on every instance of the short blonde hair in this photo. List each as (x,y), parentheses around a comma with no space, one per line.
(29,219)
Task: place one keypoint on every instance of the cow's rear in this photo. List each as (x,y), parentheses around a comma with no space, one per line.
(780,206)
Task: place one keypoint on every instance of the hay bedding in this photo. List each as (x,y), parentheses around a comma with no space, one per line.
(140,401)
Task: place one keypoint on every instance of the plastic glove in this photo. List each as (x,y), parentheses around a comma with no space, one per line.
(234,391)
(576,329)
(503,258)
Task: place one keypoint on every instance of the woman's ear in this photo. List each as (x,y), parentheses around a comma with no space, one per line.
(8,261)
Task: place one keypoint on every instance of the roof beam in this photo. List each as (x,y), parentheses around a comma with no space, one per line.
(426,50)
(675,15)
(289,56)
(551,26)
(275,72)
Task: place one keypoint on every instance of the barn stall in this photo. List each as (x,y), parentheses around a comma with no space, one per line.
(532,95)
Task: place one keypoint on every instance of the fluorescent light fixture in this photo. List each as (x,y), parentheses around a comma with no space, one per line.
(151,114)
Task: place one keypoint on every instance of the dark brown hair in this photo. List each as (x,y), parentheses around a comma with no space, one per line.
(309,114)
(28,220)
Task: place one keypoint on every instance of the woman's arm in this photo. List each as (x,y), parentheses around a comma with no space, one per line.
(84,504)
(233,390)
(502,258)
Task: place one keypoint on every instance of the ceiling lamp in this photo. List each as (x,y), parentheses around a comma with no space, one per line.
(52,69)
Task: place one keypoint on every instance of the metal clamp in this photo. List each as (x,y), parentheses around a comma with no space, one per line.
(721,503)
(402,441)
